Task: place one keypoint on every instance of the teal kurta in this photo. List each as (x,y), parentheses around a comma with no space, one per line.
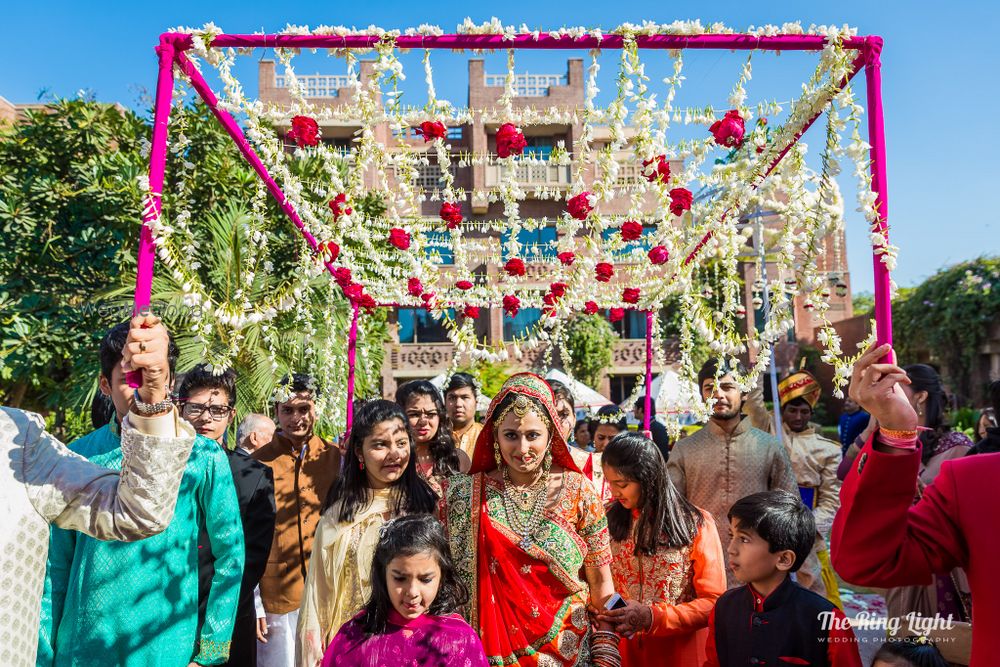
(136,604)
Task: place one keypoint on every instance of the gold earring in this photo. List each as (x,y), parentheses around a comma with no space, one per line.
(496,453)
(547,462)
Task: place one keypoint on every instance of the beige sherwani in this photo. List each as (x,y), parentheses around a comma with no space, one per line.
(714,470)
(814,461)
(42,482)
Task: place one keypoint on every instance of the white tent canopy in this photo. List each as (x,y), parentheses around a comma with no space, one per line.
(482,401)
(584,396)
(672,393)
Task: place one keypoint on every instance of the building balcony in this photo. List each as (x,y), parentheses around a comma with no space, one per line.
(527,85)
(317,85)
(532,175)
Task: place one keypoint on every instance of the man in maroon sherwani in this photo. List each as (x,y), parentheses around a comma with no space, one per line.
(880,538)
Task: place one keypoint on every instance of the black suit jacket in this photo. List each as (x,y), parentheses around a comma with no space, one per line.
(255,492)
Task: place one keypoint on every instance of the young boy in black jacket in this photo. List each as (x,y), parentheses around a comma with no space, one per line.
(772,620)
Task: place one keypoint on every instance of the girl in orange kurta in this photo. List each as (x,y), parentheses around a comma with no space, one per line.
(667,559)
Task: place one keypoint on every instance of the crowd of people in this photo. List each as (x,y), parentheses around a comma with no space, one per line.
(427,537)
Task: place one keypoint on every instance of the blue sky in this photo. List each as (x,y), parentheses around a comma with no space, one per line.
(940,98)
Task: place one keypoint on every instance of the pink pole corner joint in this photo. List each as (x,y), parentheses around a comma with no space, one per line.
(153,205)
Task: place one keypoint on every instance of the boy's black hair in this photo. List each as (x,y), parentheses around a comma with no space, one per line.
(114,342)
(461,381)
(200,377)
(407,536)
(781,519)
(910,652)
(709,368)
(641,403)
(102,410)
(411,494)
(299,382)
(608,415)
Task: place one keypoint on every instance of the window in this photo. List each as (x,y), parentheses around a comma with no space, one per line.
(429,176)
(439,243)
(622,387)
(539,242)
(647,231)
(633,326)
(521,324)
(455,133)
(629,173)
(538,147)
(416,325)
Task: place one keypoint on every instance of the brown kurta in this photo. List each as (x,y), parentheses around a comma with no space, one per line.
(466,440)
(714,471)
(301,482)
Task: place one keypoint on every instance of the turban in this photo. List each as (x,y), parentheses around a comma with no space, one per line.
(800,384)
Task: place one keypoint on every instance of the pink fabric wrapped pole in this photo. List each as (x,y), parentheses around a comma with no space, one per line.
(646,417)
(876,137)
(146,257)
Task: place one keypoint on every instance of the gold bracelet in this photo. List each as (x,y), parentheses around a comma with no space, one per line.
(901,435)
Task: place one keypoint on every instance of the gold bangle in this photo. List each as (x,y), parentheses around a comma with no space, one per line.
(901,435)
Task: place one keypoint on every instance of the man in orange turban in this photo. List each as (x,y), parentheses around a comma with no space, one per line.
(814,462)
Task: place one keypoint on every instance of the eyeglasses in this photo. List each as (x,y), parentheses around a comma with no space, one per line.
(415,415)
(195,410)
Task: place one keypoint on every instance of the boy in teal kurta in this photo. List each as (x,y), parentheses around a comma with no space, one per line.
(112,603)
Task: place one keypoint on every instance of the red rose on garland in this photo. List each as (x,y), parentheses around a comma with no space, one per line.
(353,291)
(367,302)
(567,258)
(630,295)
(656,169)
(451,213)
(329,251)
(343,276)
(680,200)
(604,271)
(463,285)
(305,131)
(579,206)
(659,255)
(631,230)
(590,308)
(729,131)
(511,304)
(616,314)
(510,140)
(414,287)
(558,289)
(432,129)
(514,267)
(471,311)
(339,208)
(399,238)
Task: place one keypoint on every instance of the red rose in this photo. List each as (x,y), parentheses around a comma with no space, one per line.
(616,314)
(414,287)
(729,131)
(656,169)
(367,302)
(510,140)
(630,295)
(567,258)
(590,308)
(463,285)
(604,271)
(558,289)
(452,214)
(354,291)
(471,311)
(680,201)
(431,130)
(631,231)
(549,299)
(514,267)
(329,250)
(511,304)
(659,255)
(343,276)
(579,206)
(399,238)
(305,131)
(338,206)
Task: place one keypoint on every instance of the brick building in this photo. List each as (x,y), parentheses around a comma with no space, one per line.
(420,348)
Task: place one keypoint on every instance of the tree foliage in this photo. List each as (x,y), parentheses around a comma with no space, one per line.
(590,341)
(949,315)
